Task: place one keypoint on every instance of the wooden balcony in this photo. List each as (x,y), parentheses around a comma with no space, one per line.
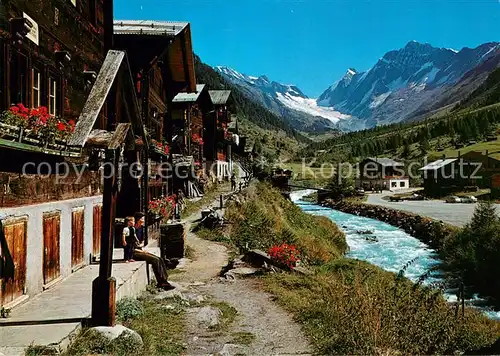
(17,138)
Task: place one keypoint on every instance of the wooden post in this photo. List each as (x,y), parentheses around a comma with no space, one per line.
(145,196)
(188,130)
(104,286)
(221,202)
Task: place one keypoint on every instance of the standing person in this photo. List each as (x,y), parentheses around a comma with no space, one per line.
(233,182)
(129,239)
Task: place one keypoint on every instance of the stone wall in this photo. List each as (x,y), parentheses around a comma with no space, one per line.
(431,232)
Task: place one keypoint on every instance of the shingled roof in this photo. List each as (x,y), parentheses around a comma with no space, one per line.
(148,27)
(219,97)
(386,162)
(189,97)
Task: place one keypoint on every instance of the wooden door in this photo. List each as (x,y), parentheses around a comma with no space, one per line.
(13,249)
(51,247)
(77,234)
(97,226)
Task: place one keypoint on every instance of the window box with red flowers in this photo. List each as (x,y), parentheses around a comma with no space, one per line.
(162,208)
(35,127)
(197,139)
(161,147)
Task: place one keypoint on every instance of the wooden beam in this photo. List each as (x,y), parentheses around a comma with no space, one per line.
(97,97)
(104,286)
(119,136)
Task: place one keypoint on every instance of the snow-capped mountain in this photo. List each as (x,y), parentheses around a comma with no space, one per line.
(289,101)
(402,81)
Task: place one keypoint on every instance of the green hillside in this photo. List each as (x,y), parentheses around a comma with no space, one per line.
(487,94)
(432,137)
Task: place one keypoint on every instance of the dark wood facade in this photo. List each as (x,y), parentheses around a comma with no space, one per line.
(218,136)
(36,69)
(466,172)
(54,65)
(188,114)
(162,64)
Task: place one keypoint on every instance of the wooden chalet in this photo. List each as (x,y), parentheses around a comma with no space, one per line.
(187,129)
(218,137)
(382,174)
(50,53)
(469,171)
(161,61)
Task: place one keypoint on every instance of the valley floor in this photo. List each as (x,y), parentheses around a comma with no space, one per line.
(454,214)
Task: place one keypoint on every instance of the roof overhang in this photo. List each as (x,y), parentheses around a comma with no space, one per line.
(115,67)
(440,163)
(148,27)
(219,97)
(189,97)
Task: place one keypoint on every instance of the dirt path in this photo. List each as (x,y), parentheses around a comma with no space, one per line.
(208,257)
(259,327)
(230,317)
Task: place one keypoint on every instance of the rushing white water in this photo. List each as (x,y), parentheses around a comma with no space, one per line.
(384,245)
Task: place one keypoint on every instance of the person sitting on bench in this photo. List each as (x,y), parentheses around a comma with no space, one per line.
(159,266)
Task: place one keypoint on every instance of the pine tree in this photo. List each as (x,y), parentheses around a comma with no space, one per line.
(484,215)
(406,150)
(424,147)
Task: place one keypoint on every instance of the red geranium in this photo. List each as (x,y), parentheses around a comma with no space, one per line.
(197,139)
(38,121)
(164,206)
(285,254)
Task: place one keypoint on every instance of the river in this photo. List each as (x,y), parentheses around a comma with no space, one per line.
(387,247)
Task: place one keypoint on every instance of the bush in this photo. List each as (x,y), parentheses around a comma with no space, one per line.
(91,342)
(348,306)
(129,308)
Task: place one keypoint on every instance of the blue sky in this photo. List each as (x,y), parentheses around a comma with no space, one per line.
(311,43)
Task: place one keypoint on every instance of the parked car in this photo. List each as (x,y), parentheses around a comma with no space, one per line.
(453,199)
(469,200)
(360,192)
(416,197)
(396,199)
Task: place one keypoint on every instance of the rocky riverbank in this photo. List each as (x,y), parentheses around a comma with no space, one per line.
(431,232)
